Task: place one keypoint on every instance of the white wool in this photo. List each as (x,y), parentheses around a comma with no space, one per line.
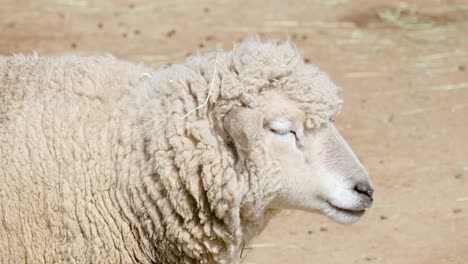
(98,163)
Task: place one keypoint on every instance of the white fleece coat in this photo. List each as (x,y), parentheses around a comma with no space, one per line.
(97,164)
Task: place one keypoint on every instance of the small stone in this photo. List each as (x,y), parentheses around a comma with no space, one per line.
(201,45)
(459,175)
(323,229)
(171,33)
(100,25)
(457,210)
(209,38)
(310,232)
(74,45)
(124,35)
(304,37)
(137,32)
(461,68)
(383,217)
(369,258)
(206,10)
(306,60)
(389,118)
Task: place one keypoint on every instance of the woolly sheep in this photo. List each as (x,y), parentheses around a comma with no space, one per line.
(100,163)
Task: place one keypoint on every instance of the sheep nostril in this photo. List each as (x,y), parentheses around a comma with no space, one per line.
(364,188)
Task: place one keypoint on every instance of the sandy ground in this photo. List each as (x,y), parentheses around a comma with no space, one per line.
(404,70)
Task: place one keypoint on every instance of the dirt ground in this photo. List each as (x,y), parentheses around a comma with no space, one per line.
(404,70)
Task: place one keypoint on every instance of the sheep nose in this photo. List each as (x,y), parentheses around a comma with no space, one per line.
(364,188)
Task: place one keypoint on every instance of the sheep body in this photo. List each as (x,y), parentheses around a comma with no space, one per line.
(98,163)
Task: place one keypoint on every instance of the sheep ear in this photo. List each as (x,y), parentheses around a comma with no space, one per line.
(243,124)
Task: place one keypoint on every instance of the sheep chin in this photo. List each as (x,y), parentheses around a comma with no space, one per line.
(342,215)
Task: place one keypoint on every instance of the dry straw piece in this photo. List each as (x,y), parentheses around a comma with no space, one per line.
(209,92)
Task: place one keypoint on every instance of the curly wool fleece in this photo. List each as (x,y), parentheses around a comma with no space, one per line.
(98,165)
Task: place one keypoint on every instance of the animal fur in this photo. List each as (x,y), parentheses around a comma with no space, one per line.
(97,164)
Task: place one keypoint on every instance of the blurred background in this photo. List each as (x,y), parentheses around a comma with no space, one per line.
(403,68)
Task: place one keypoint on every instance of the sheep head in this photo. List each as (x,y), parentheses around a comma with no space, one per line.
(269,121)
(284,129)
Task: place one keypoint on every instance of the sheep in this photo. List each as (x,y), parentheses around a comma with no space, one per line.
(106,161)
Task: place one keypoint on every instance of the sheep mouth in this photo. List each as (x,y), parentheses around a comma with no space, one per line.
(353,212)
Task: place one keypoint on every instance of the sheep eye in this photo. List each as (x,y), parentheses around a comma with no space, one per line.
(279,132)
(283,132)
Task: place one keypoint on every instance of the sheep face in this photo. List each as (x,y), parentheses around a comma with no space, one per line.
(317,170)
